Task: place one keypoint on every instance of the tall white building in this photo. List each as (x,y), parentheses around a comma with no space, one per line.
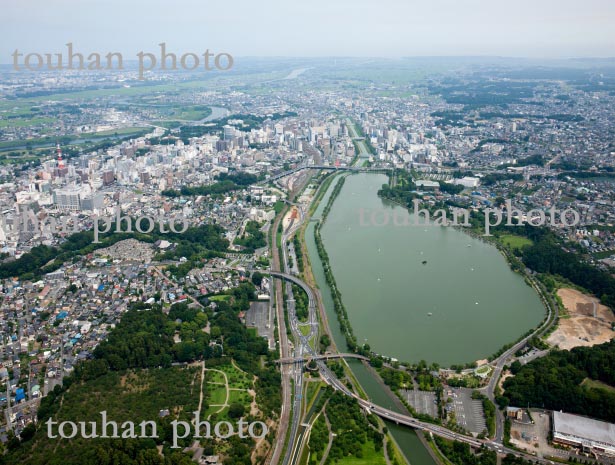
(76,198)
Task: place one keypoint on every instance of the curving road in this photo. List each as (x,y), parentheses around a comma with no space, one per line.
(498,363)
(401,419)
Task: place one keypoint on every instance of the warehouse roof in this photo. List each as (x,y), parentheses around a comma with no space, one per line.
(584,428)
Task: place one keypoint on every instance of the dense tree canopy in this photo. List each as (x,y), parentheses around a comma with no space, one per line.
(547,256)
(224,184)
(555,382)
(253,238)
(142,342)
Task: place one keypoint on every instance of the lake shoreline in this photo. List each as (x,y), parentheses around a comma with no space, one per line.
(470,361)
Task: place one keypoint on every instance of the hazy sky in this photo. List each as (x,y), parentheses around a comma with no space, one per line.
(387,28)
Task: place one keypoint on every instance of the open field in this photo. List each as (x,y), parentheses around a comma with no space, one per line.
(217,394)
(582,328)
(112,132)
(227,384)
(593,384)
(38,143)
(214,377)
(483,370)
(194,112)
(220,298)
(241,396)
(22,122)
(515,242)
(207,83)
(305,330)
(370,457)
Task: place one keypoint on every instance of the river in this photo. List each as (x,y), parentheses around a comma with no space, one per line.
(216,113)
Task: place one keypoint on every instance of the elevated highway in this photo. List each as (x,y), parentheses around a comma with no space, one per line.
(324,167)
(331,379)
(320,357)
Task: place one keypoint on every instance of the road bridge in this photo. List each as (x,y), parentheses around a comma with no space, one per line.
(327,168)
(288,360)
(331,379)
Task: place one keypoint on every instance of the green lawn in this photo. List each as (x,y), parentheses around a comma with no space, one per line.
(515,242)
(214,411)
(112,132)
(48,141)
(22,122)
(311,391)
(15,160)
(217,394)
(370,457)
(483,370)
(214,377)
(240,396)
(191,113)
(236,380)
(593,384)
(305,330)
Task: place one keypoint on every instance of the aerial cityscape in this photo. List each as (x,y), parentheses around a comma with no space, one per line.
(307,256)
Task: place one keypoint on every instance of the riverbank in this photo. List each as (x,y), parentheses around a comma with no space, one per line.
(308,273)
(338,305)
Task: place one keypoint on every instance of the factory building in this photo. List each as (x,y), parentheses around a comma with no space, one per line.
(589,435)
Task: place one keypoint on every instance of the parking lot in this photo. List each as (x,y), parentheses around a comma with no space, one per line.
(259,317)
(468,412)
(422,401)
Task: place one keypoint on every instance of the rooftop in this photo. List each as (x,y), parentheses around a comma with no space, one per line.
(584,428)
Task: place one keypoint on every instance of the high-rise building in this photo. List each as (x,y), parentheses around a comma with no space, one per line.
(144,177)
(67,198)
(77,198)
(108,177)
(229,132)
(223,145)
(93,201)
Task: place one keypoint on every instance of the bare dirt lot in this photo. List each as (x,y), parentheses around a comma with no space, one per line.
(581,328)
(505,375)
